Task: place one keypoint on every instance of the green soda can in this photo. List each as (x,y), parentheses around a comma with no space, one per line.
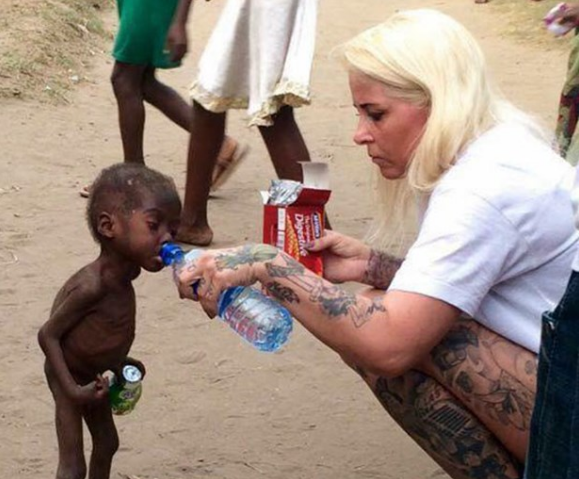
(125,392)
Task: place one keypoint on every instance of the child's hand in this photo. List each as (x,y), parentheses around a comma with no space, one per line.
(568,15)
(95,391)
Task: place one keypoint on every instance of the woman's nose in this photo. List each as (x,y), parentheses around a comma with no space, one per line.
(361,135)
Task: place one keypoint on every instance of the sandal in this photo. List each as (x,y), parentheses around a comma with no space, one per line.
(84,192)
(229,159)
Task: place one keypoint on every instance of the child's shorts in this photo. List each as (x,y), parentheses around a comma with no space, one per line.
(142,33)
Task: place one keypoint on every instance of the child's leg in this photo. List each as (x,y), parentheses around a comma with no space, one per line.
(68,419)
(105,439)
(207,133)
(174,107)
(127,80)
(285,145)
(167,100)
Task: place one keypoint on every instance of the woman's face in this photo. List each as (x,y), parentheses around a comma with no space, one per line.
(389,127)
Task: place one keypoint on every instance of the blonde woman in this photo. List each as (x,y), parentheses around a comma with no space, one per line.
(448,339)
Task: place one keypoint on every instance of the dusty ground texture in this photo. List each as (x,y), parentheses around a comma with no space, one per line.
(212,407)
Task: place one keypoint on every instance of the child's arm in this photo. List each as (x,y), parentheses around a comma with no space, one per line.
(177,35)
(69,313)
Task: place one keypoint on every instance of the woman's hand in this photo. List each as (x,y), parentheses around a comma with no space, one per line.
(214,271)
(345,258)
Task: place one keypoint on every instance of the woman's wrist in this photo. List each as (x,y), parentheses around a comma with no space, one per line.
(264,255)
(380,269)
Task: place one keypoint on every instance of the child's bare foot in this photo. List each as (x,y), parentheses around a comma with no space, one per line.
(195,235)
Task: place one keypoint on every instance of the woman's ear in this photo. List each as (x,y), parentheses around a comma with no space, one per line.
(106,225)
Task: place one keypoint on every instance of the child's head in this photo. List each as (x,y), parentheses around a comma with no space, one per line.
(133,209)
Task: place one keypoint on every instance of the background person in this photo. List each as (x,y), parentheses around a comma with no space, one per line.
(450,348)
(259,57)
(140,49)
(569,102)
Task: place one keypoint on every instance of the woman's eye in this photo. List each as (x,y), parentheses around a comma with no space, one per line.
(153,226)
(375,116)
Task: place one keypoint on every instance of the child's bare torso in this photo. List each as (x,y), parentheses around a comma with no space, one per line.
(102,338)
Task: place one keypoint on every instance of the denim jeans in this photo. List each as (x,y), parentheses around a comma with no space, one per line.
(554,440)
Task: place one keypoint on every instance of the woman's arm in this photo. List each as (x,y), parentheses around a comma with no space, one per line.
(386,335)
(380,269)
(349,259)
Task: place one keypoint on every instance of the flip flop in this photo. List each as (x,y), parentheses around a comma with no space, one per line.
(225,167)
(84,191)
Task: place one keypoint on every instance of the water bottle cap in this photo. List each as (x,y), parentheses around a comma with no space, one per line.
(171,253)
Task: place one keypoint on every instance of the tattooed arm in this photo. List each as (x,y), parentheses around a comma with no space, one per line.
(380,269)
(348,259)
(386,335)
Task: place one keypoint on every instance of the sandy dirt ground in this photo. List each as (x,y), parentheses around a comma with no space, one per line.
(212,406)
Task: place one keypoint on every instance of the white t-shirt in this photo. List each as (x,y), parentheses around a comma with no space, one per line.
(497,239)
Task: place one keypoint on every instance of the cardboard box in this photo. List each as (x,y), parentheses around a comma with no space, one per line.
(291,226)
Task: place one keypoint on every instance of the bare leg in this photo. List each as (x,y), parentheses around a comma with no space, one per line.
(105,440)
(285,145)
(167,100)
(68,419)
(174,107)
(207,133)
(127,83)
(471,405)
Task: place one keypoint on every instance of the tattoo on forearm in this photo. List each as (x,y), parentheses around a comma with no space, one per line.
(380,269)
(292,268)
(332,300)
(283,293)
(248,254)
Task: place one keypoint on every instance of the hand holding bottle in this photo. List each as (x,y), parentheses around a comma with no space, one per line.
(213,271)
(221,281)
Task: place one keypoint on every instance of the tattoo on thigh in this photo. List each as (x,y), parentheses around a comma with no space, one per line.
(443,427)
(470,366)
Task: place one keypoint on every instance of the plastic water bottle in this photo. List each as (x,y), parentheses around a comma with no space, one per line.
(260,320)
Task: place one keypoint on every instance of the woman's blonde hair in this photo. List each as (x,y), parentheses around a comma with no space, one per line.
(428,59)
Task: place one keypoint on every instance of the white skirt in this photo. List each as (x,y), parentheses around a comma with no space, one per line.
(259,57)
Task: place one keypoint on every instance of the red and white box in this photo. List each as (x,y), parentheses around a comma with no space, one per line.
(294,223)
